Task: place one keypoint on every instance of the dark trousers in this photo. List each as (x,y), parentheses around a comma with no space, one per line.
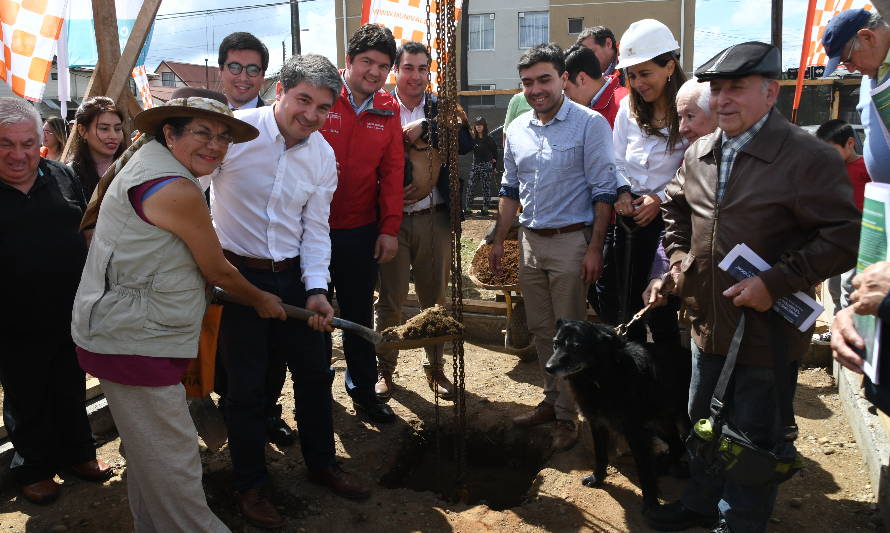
(629,253)
(248,345)
(354,276)
(43,404)
(752,408)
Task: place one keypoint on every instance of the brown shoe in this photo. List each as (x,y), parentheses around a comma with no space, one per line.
(93,470)
(438,382)
(542,414)
(384,386)
(340,482)
(258,510)
(565,435)
(43,491)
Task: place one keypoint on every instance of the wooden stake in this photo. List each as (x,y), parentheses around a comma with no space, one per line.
(118,80)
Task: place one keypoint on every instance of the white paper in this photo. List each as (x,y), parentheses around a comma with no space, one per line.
(799,308)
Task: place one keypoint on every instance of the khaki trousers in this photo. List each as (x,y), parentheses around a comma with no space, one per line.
(425,253)
(163,465)
(550,279)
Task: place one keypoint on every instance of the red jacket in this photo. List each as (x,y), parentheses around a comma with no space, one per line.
(371,157)
(607,105)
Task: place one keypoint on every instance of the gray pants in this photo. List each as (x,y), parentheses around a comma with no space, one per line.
(163,464)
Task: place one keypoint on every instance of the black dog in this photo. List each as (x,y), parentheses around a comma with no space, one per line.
(621,385)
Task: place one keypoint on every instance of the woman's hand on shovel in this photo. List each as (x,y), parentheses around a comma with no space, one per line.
(325,313)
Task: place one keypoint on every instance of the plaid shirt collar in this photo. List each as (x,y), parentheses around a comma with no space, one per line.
(729,148)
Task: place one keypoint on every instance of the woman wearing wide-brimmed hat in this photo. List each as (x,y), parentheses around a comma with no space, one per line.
(138,310)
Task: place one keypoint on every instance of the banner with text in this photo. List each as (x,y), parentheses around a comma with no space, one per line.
(407,21)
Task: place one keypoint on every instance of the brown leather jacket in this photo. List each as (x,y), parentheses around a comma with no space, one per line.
(789,199)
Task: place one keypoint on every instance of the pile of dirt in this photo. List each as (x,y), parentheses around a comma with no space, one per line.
(435,321)
(509,274)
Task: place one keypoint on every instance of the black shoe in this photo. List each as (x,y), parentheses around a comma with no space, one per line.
(677,517)
(279,432)
(375,411)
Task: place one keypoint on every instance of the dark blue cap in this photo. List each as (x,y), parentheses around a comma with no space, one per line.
(838,33)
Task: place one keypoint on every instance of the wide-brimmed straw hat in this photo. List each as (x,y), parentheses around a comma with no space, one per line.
(193,102)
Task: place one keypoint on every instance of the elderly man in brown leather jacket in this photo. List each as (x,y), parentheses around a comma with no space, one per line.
(761,181)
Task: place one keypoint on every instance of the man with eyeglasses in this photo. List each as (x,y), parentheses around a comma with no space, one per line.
(243,60)
(242,63)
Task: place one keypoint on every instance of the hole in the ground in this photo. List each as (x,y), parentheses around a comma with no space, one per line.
(501,465)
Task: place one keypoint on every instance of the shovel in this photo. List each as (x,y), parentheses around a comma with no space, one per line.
(305,314)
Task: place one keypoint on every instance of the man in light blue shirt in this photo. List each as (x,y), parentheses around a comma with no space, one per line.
(559,166)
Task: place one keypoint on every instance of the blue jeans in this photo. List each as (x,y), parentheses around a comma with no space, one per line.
(753,409)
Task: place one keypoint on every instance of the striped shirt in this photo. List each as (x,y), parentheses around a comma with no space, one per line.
(729,147)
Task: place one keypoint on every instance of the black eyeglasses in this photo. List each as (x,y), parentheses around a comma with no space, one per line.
(252,70)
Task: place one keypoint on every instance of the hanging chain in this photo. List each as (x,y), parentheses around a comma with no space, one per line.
(447,75)
(427,111)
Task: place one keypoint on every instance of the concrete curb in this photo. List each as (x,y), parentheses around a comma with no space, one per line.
(871,436)
(101,423)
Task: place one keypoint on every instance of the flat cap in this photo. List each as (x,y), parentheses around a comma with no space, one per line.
(740,60)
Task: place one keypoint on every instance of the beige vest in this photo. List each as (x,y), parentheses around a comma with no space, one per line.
(141,292)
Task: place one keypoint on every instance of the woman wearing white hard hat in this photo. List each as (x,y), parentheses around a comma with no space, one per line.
(648,152)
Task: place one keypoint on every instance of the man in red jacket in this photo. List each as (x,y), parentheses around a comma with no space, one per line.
(364,130)
(587,86)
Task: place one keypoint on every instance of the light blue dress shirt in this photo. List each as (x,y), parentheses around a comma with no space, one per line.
(558,170)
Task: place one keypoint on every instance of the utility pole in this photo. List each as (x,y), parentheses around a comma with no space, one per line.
(295,27)
(776,33)
(283,53)
(206,74)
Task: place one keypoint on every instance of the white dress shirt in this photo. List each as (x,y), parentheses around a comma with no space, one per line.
(249,105)
(273,203)
(408,116)
(643,161)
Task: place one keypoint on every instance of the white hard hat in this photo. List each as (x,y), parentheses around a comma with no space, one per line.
(644,40)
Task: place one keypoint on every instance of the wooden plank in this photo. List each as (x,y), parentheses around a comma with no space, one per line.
(489,92)
(127,60)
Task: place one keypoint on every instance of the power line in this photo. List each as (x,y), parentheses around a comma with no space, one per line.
(221,10)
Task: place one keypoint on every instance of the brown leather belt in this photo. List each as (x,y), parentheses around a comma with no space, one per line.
(437,207)
(261,264)
(549,232)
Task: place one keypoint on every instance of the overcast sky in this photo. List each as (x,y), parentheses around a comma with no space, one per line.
(719,23)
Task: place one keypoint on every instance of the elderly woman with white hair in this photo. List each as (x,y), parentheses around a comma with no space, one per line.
(694,109)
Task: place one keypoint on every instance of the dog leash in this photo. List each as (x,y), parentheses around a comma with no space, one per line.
(667,286)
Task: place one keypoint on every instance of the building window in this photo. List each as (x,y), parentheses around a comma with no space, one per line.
(482,32)
(534,28)
(477,101)
(54,76)
(576,25)
(167,79)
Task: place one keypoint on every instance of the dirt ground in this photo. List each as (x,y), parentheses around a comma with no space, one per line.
(509,469)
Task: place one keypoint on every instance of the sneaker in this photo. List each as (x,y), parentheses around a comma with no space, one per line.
(722,527)
(677,517)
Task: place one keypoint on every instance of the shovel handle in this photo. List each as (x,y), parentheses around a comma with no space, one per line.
(300,313)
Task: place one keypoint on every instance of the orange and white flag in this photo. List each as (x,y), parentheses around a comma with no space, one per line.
(407,21)
(822,15)
(140,78)
(30,29)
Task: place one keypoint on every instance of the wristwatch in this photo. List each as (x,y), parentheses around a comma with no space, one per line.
(313,292)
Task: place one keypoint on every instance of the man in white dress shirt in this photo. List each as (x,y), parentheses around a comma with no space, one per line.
(242,68)
(270,201)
